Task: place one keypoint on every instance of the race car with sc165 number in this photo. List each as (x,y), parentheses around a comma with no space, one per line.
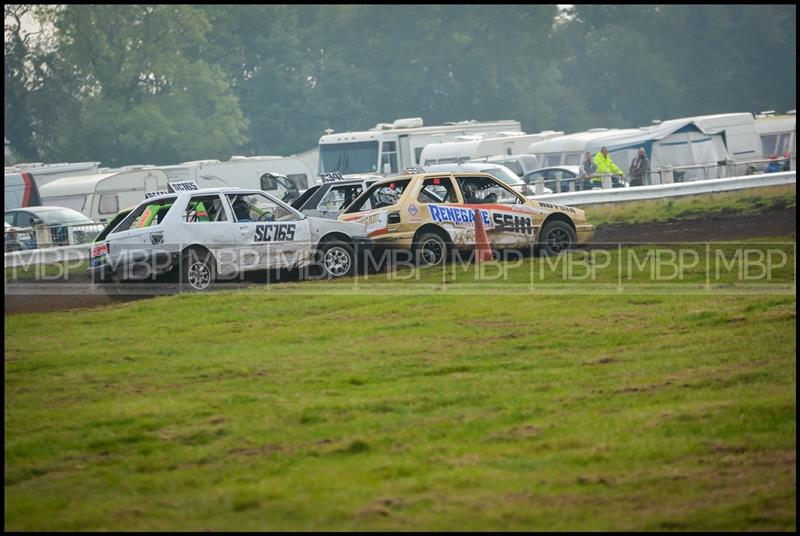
(433,213)
(216,232)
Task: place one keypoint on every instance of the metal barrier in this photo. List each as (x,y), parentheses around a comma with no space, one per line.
(660,191)
(665,175)
(42,236)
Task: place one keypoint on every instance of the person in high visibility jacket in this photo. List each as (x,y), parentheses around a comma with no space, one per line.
(605,166)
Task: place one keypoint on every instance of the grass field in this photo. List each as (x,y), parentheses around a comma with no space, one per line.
(749,201)
(277,407)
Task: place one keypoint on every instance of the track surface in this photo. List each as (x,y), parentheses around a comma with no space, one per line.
(776,223)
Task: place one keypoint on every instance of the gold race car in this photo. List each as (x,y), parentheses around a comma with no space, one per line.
(433,213)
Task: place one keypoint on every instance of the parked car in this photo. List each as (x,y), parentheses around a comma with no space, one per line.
(498,171)
(520,164)
(432,214)
(67,226)
(556,177)
(213,232)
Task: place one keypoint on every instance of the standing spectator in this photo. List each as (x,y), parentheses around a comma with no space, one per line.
(605,166)
(587,172)
(787,160)
(640,169)
(774,166)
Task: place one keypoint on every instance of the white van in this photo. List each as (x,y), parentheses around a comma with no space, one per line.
(101,196)
(20,191)
(45,173)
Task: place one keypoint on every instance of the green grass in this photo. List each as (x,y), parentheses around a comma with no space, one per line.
(277,407)
(749,201)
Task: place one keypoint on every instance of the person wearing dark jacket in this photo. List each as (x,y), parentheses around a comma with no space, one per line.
(640,169)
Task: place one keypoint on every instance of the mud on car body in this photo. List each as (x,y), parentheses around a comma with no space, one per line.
(220,232)
(432,213)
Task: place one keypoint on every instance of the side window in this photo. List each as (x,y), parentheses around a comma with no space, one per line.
(339,197)
(10,218)
(486,190)
(384,194)
(768,144)
(552,160)
(146,214)
(417,154)
(258,207)
(437,190)
(535,176)
(389,156)
(24,219)
(204,208)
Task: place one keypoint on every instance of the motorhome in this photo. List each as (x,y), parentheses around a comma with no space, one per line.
(101,196)
(389,148)
(455,152)
(280,176)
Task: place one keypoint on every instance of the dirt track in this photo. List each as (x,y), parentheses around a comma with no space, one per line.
(777,223)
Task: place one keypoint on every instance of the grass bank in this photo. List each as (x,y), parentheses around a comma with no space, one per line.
(267,408)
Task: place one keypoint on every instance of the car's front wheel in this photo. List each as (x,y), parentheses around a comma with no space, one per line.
(198,270)
(557,237)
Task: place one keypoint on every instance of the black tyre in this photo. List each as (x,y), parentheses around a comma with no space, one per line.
(198,270)
(430,249)
(336,259)
(557,237)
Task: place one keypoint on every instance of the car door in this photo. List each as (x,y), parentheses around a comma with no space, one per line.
(506,217)
(268,233)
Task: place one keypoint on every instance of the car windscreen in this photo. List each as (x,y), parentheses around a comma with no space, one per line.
(113,223)
(147,214)
(304,197)
(62,216)
(379,195)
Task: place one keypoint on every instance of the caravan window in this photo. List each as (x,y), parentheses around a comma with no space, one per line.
(417,154)
(572,159)
(75,202)
(109,204)
(551,160)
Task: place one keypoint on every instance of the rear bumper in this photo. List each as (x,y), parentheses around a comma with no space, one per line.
(140,266)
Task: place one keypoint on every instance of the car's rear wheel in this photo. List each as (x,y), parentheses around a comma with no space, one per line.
(431,249)
(557,237)
(198,270)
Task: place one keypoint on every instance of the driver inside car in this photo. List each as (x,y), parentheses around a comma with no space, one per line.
(241,209)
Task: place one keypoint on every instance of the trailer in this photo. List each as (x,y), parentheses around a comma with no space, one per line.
(389,148)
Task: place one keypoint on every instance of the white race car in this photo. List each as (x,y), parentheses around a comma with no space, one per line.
(217,232)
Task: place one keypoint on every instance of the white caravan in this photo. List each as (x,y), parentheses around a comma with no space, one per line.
(267,173)
(101,196)
(389,148)
(696,146)
(455,152)
(777,134)
(44,173)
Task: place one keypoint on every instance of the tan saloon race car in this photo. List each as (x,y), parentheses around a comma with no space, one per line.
(432,214)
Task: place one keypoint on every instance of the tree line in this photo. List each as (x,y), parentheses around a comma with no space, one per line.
(161,84)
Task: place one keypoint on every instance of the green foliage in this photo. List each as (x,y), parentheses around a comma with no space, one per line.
(160,84)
